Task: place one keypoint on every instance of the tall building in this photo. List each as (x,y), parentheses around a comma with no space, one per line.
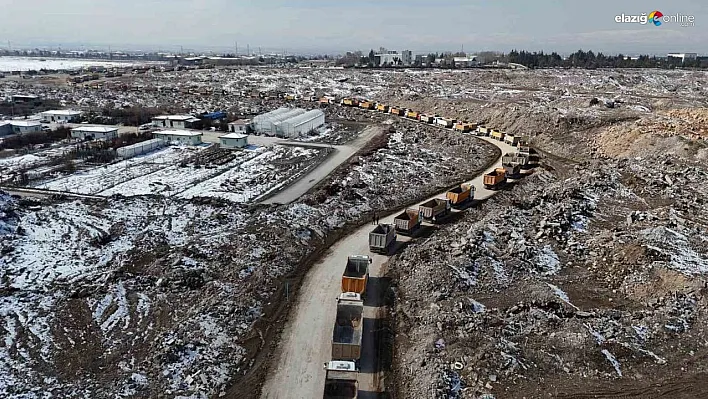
(407,57)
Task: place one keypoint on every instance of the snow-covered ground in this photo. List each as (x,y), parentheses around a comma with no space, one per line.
(251,174)
(102,178)
(255,177)
(31,63)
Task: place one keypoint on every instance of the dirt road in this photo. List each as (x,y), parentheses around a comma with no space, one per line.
(306,340)
(340,155)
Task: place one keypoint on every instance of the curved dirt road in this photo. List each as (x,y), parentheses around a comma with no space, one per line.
(340,155)
(306,340)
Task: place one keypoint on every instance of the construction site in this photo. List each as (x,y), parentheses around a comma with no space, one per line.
(447,234)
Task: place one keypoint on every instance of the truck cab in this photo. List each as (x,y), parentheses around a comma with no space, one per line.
(340,380)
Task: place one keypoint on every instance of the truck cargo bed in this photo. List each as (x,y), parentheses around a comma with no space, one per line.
(381,238)
(434,208)
(407,222)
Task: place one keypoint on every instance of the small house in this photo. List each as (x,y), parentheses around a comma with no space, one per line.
(179,137)
(233,140)
(94,133)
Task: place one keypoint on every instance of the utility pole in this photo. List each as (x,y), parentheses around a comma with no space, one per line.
(248,50)
(236,48)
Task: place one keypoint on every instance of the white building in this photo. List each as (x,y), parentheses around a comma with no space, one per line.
(61,115)
(234,140)
(94,133)
(463,62)
(388,58)
(239,126)
(139,148)
(407,57)
(683,56)
(301,124)
(267,123)
(179,137)
(27,126)
(174,121)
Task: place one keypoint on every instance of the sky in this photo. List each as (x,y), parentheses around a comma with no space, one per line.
(332,26)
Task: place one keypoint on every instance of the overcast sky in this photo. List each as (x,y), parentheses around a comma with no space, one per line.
(336,25)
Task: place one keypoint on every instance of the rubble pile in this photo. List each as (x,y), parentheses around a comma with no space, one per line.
(149,294)
(413,162)
(559,284)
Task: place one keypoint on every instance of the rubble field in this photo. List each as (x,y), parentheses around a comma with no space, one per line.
(585,279)
(588,278)
(176,295)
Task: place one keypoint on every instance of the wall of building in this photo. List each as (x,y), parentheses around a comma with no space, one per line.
(169,124)
(59,117)
(26,129)
(301,124)
(84,134)
(234,143)
(185,140)
(139,148)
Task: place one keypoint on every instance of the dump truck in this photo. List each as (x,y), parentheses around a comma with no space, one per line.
(348,327)
(512,169)
(524,148)
(408,222)
(381,238)
(463,127)
(366,105)
(511,140)
(460,194)
(426,118)
(397,111)
(356,274)
(435,209)
(515,159)
(382,107)
(412,115)
(497,135)
(482,131)
(349,102)
(495,178)
(340,380)
(444,122)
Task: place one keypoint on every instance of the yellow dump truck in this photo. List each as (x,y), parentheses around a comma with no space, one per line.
(407,222)
(435,209)
(348,102)
(397,111)
(366,105)
(382,107)
(495,178)
(497,135)
(511,140)
(460,194)
(412,115)
(356,274)
(462,127)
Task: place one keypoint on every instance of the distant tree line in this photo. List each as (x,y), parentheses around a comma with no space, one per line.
(590,60)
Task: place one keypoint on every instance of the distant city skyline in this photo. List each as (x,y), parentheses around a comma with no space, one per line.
(326,27)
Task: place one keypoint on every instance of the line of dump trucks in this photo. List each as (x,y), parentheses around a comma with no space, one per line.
(341,373)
